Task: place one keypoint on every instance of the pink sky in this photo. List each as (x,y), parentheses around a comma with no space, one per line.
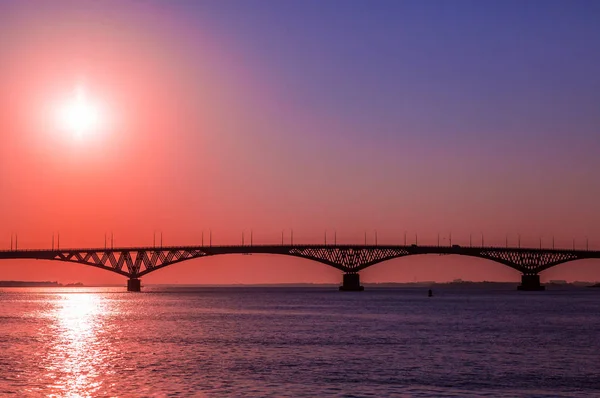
(202,135)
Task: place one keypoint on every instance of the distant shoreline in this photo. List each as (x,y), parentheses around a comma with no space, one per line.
(38,284)
(26,284)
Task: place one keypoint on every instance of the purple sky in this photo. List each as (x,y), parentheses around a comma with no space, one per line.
(467,117)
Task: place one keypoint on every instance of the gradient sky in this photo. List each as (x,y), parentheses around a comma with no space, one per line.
(431,117)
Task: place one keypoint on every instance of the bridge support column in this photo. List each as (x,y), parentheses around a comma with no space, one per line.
(351,283)
(134,285)
(530,283)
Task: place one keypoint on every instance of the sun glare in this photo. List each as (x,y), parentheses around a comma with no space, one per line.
(80,116)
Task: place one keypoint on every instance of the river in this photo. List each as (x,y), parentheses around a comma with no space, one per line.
(293,342)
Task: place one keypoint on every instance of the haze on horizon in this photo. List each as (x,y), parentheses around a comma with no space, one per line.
(431,117)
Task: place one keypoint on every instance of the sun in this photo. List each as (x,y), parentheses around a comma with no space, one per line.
(80,116)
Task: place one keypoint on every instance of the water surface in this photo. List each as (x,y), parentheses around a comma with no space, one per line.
(215,342)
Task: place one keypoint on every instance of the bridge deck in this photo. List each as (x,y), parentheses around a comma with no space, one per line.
(135,262)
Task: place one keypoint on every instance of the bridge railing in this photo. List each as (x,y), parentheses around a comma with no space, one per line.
(310,245)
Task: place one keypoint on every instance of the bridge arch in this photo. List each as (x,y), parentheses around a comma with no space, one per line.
(238,269)
(322,261)
(91,264)
(579,269)
(135,262)
(500,261)
(554,264)
(433,267)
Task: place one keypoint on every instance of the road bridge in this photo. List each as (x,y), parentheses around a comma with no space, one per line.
(135,262)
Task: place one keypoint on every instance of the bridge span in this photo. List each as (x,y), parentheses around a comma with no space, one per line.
(135,262)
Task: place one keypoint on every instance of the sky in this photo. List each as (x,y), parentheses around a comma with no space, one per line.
(465,117)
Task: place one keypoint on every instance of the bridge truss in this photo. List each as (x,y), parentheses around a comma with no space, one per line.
(135,262)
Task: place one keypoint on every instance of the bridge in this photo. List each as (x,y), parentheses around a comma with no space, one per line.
(135,262)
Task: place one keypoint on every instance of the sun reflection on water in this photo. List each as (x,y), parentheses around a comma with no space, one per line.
(75,361)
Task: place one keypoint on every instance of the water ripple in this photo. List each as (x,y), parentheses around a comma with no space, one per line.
(300,342)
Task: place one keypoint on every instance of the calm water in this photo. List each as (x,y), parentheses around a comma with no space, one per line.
(279,342)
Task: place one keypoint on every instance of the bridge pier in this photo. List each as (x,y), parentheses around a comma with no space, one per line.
(134,285)
(530,283)
(351,283)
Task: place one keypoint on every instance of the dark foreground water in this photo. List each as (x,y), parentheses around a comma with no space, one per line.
(313,342)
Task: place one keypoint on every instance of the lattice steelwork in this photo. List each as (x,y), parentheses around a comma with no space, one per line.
(349,259)
(135,262)
(527,261)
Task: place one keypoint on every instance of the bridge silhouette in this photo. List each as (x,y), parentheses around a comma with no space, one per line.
(135,262)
